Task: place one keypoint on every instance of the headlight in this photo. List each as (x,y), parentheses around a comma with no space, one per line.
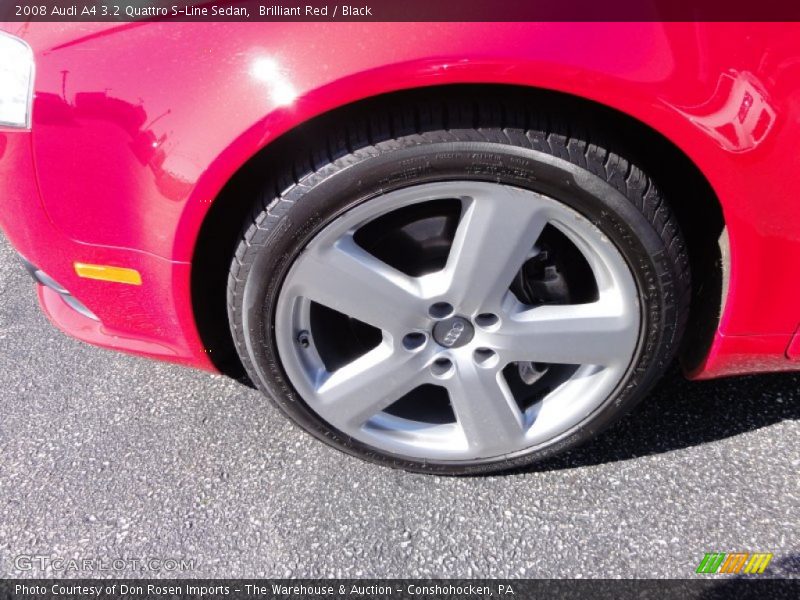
(16,82)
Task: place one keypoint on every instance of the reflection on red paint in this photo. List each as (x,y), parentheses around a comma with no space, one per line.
(148,149)
(738,115)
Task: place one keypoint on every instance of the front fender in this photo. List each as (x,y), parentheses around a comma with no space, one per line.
(137,128)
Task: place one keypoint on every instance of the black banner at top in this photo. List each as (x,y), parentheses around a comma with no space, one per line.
(399,10)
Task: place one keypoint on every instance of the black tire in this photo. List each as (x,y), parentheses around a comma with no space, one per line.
(398,146)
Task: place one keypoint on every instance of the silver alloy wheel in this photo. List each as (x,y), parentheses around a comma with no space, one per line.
(424,322)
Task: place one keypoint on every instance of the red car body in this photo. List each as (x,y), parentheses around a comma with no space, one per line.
(137,127)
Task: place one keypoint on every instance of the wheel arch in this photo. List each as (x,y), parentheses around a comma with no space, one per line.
(214,225)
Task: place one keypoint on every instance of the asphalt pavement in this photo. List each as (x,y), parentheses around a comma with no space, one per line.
(105,456)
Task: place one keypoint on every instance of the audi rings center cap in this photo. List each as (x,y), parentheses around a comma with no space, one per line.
(453,332)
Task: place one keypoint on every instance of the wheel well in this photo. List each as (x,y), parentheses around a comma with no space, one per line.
(683,185)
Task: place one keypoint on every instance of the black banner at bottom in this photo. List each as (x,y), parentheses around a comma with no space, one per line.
(399,589)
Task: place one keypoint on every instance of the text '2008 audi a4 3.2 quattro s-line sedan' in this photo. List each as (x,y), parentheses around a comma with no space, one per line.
(452,249)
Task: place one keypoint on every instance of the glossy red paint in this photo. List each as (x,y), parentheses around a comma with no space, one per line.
(793,351)
(137,127)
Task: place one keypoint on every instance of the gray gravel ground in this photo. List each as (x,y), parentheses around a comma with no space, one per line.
(106,455)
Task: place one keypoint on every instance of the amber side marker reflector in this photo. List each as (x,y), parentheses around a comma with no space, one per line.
(106,273)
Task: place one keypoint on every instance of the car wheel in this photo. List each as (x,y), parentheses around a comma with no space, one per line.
(459,300)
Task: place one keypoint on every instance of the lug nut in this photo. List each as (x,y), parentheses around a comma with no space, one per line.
(485,357)
(442,367)
(414,340)
(441,310)
(487,320)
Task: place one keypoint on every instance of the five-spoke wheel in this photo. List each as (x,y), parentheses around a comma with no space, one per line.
(458,327)
(450,298)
